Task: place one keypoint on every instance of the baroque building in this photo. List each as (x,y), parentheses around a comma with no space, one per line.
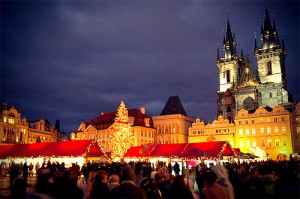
(103,126)
(220,129)
(173,123)
(16,129)
(244,87)
(269,129)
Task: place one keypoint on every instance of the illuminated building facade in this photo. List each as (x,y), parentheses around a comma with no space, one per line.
(16,129)
(241,86)
(219,130)
(173,123)
(273,130)
(266,128)
(103,126)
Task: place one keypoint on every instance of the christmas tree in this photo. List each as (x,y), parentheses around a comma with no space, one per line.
(121,139)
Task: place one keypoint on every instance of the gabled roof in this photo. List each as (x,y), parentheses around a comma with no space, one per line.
(76,148)
(173,106)
(106,119)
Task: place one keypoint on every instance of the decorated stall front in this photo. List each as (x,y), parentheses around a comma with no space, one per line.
(186,154)
(69,152)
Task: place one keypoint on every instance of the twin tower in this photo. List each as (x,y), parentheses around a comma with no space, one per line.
(244,87)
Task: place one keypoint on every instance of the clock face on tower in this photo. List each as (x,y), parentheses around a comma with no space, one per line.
(248,104)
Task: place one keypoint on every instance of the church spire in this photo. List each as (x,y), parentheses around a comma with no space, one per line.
(229,43)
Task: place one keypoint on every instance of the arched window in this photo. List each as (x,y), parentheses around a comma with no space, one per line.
(269,68)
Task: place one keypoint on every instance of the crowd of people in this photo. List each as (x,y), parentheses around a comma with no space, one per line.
(268,179)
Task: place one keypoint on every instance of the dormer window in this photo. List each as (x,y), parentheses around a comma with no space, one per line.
(147,121)
(131,121)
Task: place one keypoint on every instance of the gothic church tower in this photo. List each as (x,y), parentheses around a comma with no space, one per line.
(238,79)
(271,66)
(243,87)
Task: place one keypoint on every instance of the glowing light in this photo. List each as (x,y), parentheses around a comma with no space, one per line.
(121,139)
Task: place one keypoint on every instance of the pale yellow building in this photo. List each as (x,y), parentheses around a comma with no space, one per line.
(16,129)
(173,123)
(219,130)
(269,129)
(102,127)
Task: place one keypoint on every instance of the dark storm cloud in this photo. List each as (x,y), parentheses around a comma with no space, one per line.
(73,60)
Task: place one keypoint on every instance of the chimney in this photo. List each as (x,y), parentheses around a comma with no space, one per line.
(143,109)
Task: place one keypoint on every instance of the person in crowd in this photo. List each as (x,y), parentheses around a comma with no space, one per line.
(176,168)
(99,188)
(19,189)
(43,176)
(223,178)
(13,173)
(150,188)
(128,188)
(269,179)
(37,167)
(178,189)
(212,189)
(254,185)
(190,180)
(85,171)
(113,181)
(30,167)
(25,172)
(161,184)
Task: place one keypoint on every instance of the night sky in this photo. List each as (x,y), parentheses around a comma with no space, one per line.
(74,59)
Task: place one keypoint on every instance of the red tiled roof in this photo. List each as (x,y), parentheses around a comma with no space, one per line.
(108,118)
(57,149)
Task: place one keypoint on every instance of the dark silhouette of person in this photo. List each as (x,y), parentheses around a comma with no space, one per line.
(25,172)
(19,189)
(128,188)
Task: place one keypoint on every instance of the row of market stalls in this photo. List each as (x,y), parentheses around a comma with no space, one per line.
(65,151)
(80,151)
(187,155)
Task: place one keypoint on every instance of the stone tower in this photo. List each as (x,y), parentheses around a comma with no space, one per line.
(270,57)
(238,79)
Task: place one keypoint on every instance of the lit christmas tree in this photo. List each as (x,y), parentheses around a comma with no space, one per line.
(122,139)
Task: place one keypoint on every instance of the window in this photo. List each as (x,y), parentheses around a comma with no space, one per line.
(252,121)
(241,131)
(262,130)
(253,131)
(269,68)
(284,142)
(4,119)
(276,129)
(271,95)
(282,119)
(275,119)
(268,129)
(298,129)
(253,143)
(142,133)
(261,120)
(262,142)
(246,121)
(283,129)
(247,131)
(269,143)
(247,143)
(241,144)
(276,142)
(240,122)
(227,76)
